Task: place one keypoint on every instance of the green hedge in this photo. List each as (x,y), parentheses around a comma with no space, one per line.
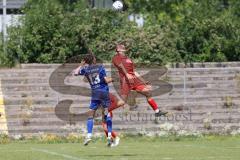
(174,31)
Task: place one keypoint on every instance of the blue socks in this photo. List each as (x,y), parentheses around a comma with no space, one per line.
(90,127)
(109,125)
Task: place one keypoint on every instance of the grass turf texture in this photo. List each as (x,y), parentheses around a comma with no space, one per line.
(130,148)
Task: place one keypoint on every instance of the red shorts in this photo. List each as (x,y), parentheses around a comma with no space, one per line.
(138,85)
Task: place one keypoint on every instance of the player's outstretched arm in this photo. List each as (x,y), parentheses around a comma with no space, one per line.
(76,71)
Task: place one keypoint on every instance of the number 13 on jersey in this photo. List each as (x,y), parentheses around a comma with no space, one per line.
(94,79)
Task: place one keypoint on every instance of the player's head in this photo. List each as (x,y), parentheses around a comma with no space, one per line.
(120,48)
(90,59)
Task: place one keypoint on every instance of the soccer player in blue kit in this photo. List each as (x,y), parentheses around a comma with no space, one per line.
(98,80)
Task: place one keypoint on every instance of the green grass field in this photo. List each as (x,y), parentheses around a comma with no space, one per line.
(210,148)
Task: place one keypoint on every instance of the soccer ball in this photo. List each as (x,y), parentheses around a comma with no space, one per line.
(117,5)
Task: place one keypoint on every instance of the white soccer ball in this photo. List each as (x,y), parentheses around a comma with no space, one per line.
(117,5)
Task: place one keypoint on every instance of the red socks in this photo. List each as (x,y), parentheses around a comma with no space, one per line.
(152,103)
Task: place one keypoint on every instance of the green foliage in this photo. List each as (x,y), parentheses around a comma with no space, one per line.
(210,33)
(174,31)
(4,139)
(206,30)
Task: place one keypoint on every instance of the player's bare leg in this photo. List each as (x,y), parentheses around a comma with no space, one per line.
(115,102)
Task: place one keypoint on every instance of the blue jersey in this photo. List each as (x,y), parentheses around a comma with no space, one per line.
(95,75)
(100,91)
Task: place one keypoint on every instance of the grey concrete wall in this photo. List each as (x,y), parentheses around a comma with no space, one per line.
(204,98)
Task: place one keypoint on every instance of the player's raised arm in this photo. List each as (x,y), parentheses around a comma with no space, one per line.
(76,71)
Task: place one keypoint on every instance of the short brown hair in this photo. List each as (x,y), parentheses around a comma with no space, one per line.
(89,58)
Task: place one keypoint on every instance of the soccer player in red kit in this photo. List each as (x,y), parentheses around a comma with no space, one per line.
(131,80)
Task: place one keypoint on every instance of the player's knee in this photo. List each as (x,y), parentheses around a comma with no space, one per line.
(149,96)
(121,103)
(90,117)
(147,89)
(91,113)
(147,93)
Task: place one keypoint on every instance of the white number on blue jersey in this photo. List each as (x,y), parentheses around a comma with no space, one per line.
(95,79)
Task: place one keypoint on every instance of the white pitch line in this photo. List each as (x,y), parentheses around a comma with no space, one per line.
(167,158)
(57,154)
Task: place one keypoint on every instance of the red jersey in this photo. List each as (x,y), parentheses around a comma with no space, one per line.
(126,62)
(129,67)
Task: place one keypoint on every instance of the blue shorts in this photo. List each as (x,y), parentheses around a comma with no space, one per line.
(100,98)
